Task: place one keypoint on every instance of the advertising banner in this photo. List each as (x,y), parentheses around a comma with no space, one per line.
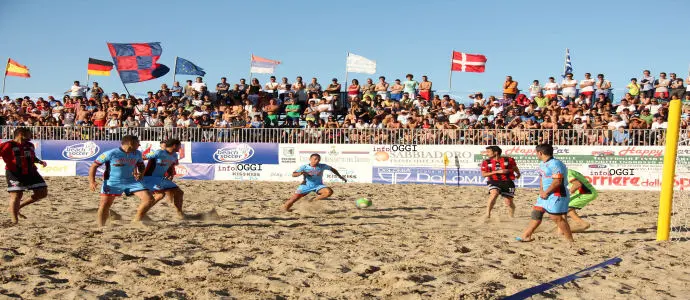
(75,150)
(183,171)
(422,175)
(423,155)
(235,153)
(58,168)
(352,161)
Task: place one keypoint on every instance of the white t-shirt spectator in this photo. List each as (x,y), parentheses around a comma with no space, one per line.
(455,118)
(621,107)
(326,110)
(653,108)
(495,110)
(197,102)
(361,125)
(78,91)
(663,85)
(184,123)
(657,125)
(613,125)
(402,118)
(550,88)
(571,89)
(589,88)
(197,86)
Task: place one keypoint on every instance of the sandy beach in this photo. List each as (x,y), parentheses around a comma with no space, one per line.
(416,241)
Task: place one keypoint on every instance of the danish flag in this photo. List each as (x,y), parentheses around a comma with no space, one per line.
(464,62)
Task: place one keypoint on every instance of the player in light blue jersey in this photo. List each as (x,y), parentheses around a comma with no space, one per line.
(554,195)
(159,172)
(124,168)
(313,181)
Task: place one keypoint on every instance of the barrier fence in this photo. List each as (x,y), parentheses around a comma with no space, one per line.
(607,167)
(592,137)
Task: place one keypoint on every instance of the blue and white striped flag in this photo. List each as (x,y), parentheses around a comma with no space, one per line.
(568,68)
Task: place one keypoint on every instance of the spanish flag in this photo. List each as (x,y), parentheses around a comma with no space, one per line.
(99,67)
(15,69)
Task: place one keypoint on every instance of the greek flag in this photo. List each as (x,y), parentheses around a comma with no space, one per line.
(568,68)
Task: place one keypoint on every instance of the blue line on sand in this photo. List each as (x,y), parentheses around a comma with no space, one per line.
(560,281)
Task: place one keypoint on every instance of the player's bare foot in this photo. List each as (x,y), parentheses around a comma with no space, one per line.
(523,239)
(580,227)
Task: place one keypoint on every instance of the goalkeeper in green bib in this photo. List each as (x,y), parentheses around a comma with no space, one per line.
(581,193)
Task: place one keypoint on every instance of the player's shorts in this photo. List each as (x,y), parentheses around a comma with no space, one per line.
(157,184)
(505,188)
(304,189)
(553,205)
(117,189)
(24,182)
(578,201)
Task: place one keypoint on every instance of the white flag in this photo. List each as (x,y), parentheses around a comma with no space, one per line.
(360,64)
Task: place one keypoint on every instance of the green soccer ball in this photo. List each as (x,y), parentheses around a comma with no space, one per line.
(363,203)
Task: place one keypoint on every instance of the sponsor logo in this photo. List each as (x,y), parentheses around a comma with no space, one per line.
(335,156)
(420,157)
(233,154)
(14,183)
(626,172)
(242,171)
(398,175)
(288,156)
(54,169)
(181,171)
(395,148)
(522,150)
(597,166)
(81,151)
(636,151)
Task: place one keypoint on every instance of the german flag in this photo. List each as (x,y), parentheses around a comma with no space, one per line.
(15,69)
(99,67)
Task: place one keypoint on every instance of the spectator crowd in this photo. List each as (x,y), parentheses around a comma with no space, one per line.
(571,111)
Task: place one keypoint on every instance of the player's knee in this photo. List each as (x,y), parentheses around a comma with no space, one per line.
(40,193)
(537,215)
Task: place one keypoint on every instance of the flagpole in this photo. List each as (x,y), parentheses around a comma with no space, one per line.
(4,78)
(450,73)
(347,85)
(175,70)
(250,69)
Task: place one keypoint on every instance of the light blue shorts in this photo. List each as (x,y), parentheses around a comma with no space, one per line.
(157,184)
(306,189)
(554,205)
(119,188)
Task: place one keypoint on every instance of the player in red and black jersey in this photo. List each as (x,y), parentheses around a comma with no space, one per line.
(500,171)
(21,172)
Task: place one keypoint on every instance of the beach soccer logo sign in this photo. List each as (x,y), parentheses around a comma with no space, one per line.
(81,151)
(234,154)
(288,156)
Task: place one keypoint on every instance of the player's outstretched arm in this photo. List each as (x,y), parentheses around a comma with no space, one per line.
(298,174)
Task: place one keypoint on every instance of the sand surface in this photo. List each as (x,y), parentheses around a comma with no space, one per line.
(417,241)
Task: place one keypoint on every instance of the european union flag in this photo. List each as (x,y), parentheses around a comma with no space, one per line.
(185,67)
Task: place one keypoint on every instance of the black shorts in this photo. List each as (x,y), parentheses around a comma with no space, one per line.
(505,188)
(24,182)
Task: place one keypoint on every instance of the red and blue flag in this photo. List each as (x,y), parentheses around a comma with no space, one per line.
(137,62)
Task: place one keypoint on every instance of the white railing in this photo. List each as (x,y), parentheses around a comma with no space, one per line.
(355,136)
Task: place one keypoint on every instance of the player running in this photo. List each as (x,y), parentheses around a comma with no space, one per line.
(500,172)
(553,194)
(159,173)
(21,172)
(582,192)
(313,181)
(124,168)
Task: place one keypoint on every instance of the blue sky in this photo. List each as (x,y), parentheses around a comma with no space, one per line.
(525,39)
